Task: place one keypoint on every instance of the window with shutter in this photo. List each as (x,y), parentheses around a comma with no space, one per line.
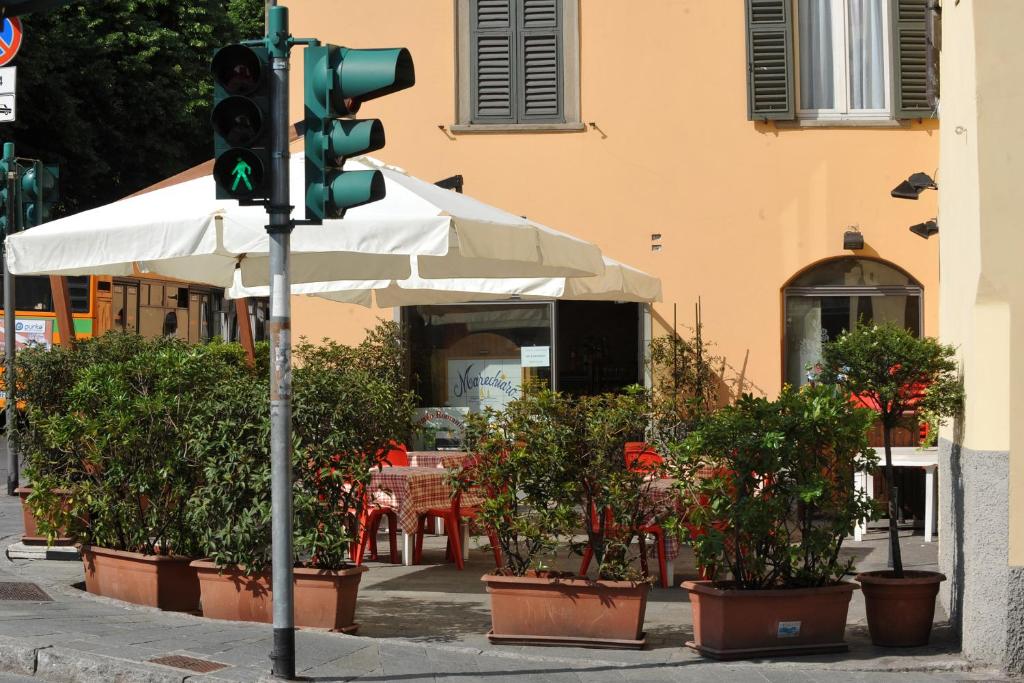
(516,61)
(837,60)
(769,60)
(910,57)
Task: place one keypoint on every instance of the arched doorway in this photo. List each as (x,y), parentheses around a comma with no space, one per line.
(830,297)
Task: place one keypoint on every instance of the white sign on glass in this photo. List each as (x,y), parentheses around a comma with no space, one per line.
(479,383)
(535,356)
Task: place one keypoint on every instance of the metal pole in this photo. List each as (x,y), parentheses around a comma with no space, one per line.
(11,404)
(280,227)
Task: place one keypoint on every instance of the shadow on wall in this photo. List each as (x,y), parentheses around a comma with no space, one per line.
(727,381)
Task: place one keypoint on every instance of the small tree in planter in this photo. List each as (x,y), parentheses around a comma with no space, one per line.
(775,512)
(898,374)
(349,404)
(545,459)
(115,444)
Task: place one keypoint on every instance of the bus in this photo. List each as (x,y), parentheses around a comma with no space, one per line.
(149,306)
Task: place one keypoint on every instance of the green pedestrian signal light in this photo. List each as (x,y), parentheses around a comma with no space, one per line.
(337,81)
(241,122)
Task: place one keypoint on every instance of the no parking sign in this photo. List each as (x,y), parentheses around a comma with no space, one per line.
(10,39)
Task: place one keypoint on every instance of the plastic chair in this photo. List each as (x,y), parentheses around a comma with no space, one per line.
(453,517)
(396,456)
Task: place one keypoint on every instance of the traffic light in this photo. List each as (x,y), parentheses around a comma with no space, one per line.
(337,81)
(39,193)
(241,122)
(5,166)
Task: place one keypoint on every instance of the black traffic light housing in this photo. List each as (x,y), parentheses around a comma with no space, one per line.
(241,123)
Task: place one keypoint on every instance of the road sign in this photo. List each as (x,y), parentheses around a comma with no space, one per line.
(6,108)
(10,39)
(8,80)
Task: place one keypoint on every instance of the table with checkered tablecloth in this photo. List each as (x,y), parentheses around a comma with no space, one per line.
(411,491)
(449,459)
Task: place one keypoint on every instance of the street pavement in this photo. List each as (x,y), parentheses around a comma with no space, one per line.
(423,623)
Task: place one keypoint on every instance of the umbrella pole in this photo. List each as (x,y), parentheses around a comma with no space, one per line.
(279,228)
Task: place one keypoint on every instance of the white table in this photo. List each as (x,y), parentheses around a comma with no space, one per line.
(907,456)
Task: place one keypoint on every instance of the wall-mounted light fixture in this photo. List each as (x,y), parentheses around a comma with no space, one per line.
(451,183)
(853,239)
(926,229)
(912,187)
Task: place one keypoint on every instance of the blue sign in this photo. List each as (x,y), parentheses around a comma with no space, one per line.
(10,39)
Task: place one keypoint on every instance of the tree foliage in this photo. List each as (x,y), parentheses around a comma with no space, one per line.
(768,487)
(118,92)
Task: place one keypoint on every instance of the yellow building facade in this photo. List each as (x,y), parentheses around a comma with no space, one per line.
(981,528)
(653,154)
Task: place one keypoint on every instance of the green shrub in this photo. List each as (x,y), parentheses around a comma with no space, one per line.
(350,404)
(768,487)
(553,464)
(901,376)
(117,437)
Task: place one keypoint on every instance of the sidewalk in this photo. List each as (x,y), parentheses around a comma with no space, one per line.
(420,623)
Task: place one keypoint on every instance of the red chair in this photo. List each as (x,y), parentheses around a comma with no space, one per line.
(453,517)
(396,456)
(640,457)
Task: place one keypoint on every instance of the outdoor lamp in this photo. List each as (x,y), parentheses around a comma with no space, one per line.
(853,240)
(912,187)
(926,229)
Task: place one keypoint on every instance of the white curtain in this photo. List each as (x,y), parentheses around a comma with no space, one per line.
(817,79)
(866,47)
(803,337)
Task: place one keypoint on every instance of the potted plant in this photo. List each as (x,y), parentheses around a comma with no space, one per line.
(44,377)
(349,405)
(118,446)
(543,460)
(897,374)
(774,514)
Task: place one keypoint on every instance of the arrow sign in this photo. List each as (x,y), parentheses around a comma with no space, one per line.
(10,39)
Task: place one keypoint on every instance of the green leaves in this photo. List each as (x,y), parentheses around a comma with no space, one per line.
(768,486)
(138,110)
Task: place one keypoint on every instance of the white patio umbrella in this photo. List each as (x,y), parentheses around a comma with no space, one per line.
(182,231)
(618,282)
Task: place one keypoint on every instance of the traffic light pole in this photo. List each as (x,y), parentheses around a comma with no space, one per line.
(279,229)
(10,403)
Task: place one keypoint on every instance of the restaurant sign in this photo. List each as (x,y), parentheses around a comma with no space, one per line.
(439,427)
(477,384)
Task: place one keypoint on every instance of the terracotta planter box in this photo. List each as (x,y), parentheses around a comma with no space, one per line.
(900,611)
(323,599)
(737,624)
(32,535)
(540,610)
(155,580)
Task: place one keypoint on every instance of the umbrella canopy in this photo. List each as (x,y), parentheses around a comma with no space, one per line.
(181,231)
(619,282)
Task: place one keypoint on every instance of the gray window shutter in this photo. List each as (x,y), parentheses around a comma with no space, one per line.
(540,61)
(910,60)
(770,60)
(492,46)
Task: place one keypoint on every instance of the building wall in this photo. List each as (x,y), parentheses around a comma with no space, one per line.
(741,206)
(982,293)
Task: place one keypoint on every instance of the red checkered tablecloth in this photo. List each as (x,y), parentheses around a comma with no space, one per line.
(437,458)
(664,497)
(412,490)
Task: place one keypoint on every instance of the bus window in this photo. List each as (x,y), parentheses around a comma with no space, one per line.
(32,293)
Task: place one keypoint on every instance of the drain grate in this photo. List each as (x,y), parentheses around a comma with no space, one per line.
(201,666)
(10,590)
